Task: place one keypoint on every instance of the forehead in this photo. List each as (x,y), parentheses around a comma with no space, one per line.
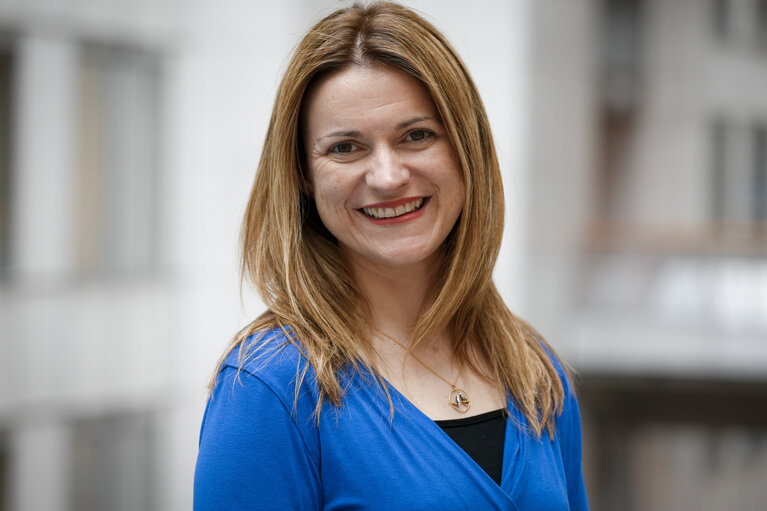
(360,94)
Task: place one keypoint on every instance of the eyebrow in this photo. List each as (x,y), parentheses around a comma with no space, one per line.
(412,121)
(354,133)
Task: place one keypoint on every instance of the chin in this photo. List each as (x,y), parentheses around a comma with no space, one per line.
(409,258)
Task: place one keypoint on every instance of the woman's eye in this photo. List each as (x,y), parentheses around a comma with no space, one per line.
(418,135)
(342,148)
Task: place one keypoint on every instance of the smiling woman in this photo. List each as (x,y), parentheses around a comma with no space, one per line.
(387,373)
(387,184)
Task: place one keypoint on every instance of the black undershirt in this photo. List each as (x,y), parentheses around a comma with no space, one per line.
(482,437)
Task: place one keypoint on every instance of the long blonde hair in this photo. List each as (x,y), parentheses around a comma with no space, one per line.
(295,263)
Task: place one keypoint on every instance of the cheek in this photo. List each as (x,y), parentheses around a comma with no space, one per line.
(450,180)
(454,192)
(329,204)
(331,194)
(458,204)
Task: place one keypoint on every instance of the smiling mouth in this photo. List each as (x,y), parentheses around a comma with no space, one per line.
(402,209)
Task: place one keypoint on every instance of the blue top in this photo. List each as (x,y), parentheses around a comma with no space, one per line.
(262,449)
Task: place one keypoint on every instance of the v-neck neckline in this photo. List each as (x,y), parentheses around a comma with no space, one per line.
(512,436)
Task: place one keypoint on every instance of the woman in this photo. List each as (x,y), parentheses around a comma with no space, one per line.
(387,372)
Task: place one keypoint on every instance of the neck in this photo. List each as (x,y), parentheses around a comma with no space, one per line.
(397,294)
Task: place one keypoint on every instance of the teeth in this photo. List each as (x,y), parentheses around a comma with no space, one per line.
(394,212)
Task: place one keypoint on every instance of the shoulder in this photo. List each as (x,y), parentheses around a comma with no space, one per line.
(567,419)
(568,422)
(258,433)
(263,346)
(271,361)
(272,356)
(568,433)
(562,371)
(265,382)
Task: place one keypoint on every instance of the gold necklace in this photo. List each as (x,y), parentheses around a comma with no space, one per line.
(458,398)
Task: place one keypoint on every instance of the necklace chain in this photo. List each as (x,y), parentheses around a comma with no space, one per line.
(457,398)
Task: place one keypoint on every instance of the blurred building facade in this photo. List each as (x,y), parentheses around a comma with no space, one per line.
(86,298)
(649,236)
(633,138)
(119,180)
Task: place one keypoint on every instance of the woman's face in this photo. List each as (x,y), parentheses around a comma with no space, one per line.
(382,171)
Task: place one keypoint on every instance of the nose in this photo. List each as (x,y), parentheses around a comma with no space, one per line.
(387,172)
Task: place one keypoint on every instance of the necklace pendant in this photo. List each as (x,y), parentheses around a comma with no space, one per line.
(459,400)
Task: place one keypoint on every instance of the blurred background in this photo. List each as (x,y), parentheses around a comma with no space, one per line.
(633,139)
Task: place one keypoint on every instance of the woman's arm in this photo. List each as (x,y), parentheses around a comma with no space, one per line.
(252,453)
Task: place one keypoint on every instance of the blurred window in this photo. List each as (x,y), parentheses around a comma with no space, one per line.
(718,174)
(4,471)
(739,172)
(120,131)
(6,91)
(759,200)
(761,20)
(720,18)
(113,463)
(676,444)
(621,53)
(621,56)
(745,21)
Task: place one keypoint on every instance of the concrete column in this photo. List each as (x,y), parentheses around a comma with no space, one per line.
(563,74)
(39,474)
(44,177)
